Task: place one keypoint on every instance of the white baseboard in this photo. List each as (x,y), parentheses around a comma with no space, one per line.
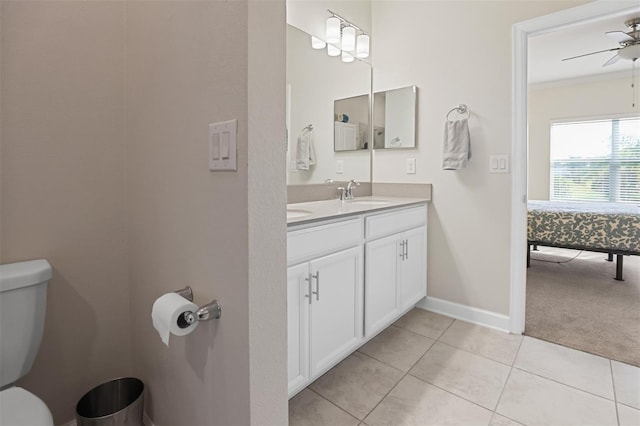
(465,313)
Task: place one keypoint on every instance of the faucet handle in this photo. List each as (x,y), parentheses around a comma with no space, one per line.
(343,192)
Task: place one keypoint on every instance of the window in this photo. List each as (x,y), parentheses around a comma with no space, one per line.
(596,160)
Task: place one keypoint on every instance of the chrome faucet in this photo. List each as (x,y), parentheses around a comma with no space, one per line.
(350,185)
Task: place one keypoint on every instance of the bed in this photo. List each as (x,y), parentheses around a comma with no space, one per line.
(612,228)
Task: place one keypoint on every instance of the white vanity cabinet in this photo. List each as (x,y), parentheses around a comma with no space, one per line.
(348,278)
(395,268)
(325,298)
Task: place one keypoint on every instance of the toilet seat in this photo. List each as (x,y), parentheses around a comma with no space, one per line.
(22,408)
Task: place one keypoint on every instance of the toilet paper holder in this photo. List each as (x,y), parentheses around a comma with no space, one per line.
(204,313)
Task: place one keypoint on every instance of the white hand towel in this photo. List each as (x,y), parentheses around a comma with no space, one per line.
(457,145)
(305,153)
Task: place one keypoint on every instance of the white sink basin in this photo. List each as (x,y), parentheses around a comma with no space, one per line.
(297,213)
(371,202)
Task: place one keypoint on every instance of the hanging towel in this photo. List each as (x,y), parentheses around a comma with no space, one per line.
(457,145)
(305,153)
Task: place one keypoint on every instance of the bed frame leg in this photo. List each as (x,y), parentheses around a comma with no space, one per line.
(619,267)
(610,257)
(535,247)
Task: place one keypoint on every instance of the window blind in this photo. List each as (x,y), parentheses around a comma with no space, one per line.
(596,160)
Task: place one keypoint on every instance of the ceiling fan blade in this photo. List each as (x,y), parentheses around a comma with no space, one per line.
(620,37)
(592,53)
(611,61)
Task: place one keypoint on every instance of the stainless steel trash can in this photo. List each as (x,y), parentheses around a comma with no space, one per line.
(117,402)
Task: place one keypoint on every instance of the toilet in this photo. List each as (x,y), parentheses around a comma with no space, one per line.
(23,303)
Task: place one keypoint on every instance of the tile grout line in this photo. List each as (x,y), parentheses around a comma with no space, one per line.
(407,372)
(564,384)
(507,381)
(334,404)
(615,397)
(479,355)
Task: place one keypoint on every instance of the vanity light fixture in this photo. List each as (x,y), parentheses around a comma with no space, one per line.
(362,47)
(348,39)
(351,38)
(316,43)
(333,30)
(332,50)
(347,57)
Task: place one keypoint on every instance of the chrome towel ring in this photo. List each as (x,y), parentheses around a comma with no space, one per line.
(461,109)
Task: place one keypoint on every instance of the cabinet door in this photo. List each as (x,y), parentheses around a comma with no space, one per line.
(336,307)
(413,285)
(298,326)
(381,277)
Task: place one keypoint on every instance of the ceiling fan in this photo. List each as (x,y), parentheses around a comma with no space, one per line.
(629,44)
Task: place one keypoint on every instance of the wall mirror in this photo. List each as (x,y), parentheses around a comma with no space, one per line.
(315,81)
(394,118)
(351,126)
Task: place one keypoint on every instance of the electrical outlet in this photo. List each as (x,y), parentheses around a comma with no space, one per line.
(411,166)
(339,167)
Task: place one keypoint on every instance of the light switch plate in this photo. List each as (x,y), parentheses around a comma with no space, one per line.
(499,164)
(411,166)
(222,146)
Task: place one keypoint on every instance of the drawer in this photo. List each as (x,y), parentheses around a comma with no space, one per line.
(393,222)
(309,243)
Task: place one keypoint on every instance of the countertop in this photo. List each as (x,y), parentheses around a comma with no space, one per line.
(312,211)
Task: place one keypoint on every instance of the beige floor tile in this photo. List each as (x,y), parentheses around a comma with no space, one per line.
(397,347)
(414,402)
(470,376)
(494,344)
(424,322)
(308,408)
(628,416)
(584,371)
(533,400)
(499,420)
(357,384)
(627,381)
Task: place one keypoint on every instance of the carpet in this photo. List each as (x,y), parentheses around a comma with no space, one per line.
(578,303)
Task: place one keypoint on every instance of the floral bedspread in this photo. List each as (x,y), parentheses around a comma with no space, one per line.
(602,226)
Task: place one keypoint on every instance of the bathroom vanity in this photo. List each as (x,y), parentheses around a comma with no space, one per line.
(354,267)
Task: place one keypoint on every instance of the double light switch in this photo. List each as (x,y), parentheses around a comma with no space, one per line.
(222,145)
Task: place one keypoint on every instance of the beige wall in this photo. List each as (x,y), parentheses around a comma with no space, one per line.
(104,173)
(188,65)
(469,217)
(570,100)
(63,186)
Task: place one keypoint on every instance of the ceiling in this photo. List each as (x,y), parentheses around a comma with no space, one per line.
(547,51)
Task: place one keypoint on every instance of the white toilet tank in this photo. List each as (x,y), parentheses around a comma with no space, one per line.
(23,302)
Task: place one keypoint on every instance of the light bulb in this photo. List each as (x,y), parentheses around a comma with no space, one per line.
(316,43)
(332,50)
(348,39)
(362,48)
(347,57)
(333,30)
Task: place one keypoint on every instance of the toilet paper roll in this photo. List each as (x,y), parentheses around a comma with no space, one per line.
(167,316)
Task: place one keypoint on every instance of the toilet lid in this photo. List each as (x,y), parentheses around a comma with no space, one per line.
(22,408)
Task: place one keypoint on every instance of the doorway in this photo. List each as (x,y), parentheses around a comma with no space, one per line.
(521,34)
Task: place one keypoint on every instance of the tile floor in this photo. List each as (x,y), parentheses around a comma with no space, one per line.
(428,369)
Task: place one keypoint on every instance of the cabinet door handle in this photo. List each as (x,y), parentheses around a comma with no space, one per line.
(402,249)
(317,292)
(308,279)
(406,248)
